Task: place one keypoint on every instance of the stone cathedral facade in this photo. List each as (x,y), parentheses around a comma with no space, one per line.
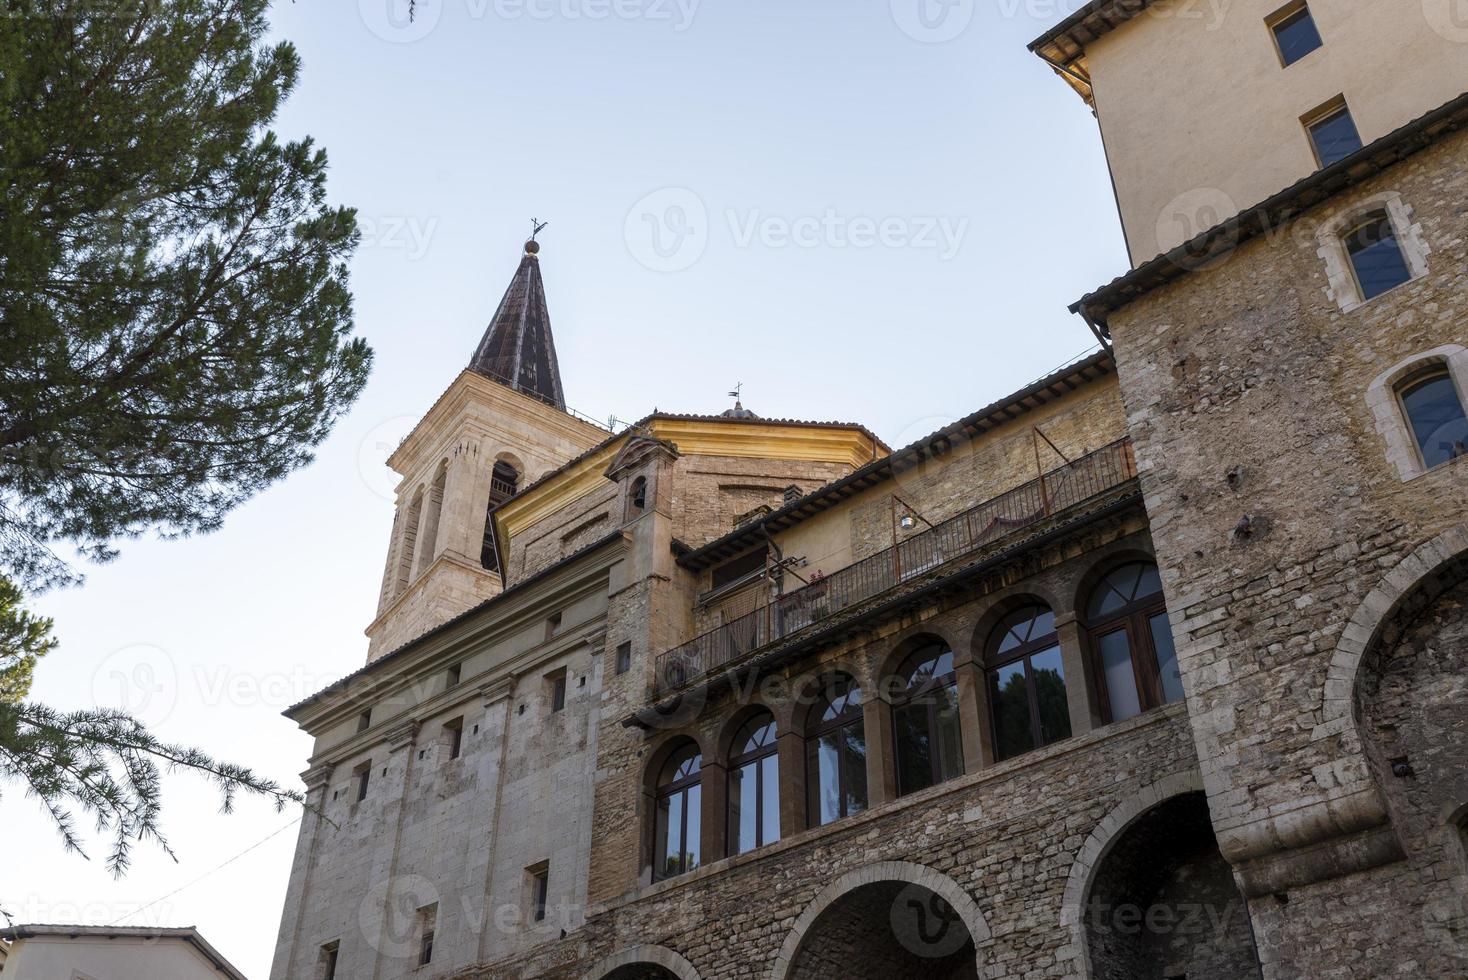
(1156,667)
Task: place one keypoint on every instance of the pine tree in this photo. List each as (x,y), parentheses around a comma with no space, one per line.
(175,329)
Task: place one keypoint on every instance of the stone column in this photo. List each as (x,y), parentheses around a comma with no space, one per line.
(973,713)
(392,945)
(494,739)
(791,748)
(1081,691)
(881,766)
(290,958)
(714,790)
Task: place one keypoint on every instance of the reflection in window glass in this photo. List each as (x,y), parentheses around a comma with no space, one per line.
(1296,35)
(836,754)
(925,721)
(1436,417)
(1053,710)
(678,814)
(1121,683)
(1172,681)
(1376,257)
(754,786)
(1335,137)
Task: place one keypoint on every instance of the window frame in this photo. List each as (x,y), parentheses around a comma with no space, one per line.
(756,757)
(328,960)
(1285,15)
(851,715)
(666,791)
(994,661)
(624,657)
(1324,113)
(910,696)
(539,893)
(1433,371)
(1135,618)
(1374,217)
(557,683)
(454,730)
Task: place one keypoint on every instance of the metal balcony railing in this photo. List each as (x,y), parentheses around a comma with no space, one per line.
(975,528)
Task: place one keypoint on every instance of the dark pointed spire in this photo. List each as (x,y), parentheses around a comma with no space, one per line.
(517,349)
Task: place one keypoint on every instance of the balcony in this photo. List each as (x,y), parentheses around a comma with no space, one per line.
(973,530)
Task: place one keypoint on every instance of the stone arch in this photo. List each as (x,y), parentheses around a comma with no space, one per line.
(991,617)
(625,963)
(1087,581)
(1419,575)
(806,690)
(1094,851)
(882,872)
(910,640)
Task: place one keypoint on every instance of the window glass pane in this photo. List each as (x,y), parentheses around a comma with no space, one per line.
(1335,137)
(1437,419)
(1049,677)
(1172,680)
(1376,257)
(914,748)
(1009,700)
(1121,683)
(1297,36)
(743,807)
(692,803)
(854,758)
(825,782)
(947,740)
(668,841)
(770,817)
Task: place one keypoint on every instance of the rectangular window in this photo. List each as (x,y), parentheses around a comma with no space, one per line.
(364,720)
(453,737)
(737,569)
(557,682)
(1295,33)
(1332,132)
(427,922)
(624,657)
(363,775)
(539,890)
(1376,257)
(329,953)
(453,675)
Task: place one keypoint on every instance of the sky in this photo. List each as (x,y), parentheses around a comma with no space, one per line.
(871,210)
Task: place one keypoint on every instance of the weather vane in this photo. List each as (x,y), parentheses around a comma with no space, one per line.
(537,224)
(738,389)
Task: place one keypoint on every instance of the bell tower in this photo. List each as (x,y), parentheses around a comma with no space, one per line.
(501,425)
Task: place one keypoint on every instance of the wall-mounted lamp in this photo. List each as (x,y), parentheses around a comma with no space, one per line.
(906,522)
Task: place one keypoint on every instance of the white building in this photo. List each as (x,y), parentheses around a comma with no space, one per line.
(69,952)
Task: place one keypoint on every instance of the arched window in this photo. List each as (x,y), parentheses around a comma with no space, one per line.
(1026,682)
(504,482)
(1132,641)
(836,754)
(925,720)
(676,828)
(1435,415)
(636,498)
(754,785)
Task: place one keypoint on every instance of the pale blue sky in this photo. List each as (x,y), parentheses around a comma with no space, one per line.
(877,229)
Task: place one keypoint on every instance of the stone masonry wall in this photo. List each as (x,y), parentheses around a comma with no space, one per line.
(1276,510)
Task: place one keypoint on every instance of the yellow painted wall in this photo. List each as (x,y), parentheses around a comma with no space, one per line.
(1201,121)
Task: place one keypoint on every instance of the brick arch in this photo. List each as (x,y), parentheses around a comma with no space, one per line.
(910,640)
(1094,851)
(1088,580)
(644,955)
(1411,576)
(885,871)
(991,617)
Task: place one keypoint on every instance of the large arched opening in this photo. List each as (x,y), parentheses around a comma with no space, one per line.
(896,921)
(1162,901)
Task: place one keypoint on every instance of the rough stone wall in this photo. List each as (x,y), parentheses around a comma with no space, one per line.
(709,492)
(974,472)
(1245,387)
